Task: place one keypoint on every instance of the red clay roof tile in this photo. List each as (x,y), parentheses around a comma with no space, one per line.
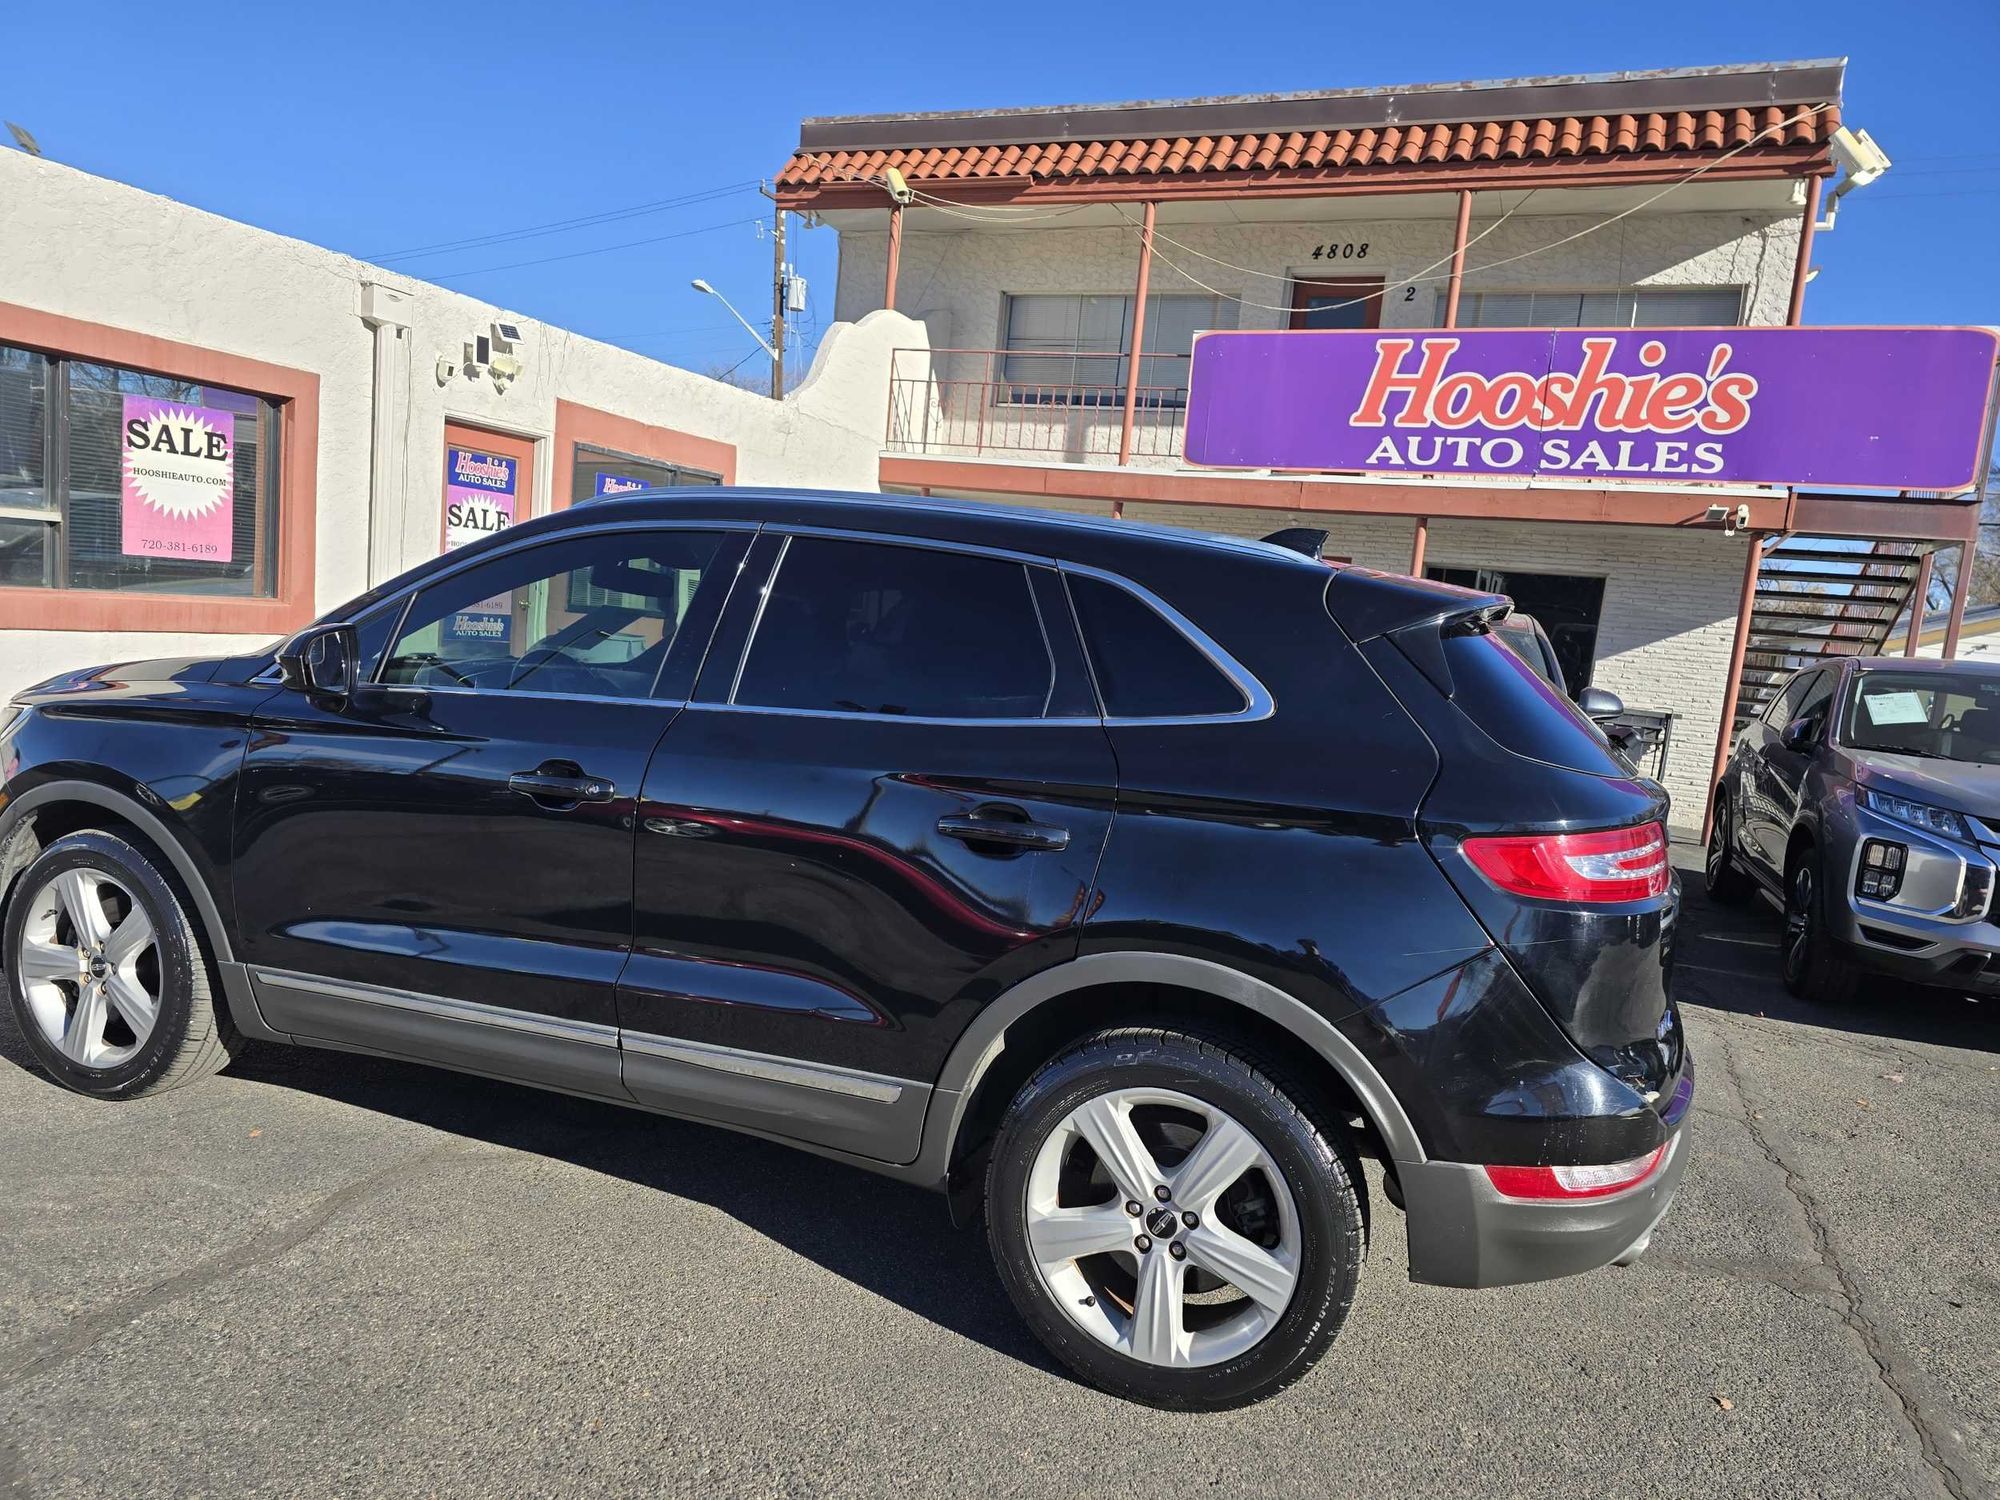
(1392,146)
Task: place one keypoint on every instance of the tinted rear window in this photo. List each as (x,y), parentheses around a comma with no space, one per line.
(1500,693)
(1146,669)
(861,627)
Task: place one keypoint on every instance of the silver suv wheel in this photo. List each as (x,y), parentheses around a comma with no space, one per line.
(88,965)
(1177,1265)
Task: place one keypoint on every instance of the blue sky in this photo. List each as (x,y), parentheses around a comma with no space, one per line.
(377,128)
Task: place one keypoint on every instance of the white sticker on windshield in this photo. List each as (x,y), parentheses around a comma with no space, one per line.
(1895,708)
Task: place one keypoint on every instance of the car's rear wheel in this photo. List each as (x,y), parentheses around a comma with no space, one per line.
(1727,884)
(1174,1224)
(108,982)
(1814,969)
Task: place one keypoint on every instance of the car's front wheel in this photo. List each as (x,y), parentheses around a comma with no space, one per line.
(108,982)
(1727,884)
(1173,1223)
(1814,969)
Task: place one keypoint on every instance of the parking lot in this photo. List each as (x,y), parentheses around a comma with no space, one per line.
(324,1274)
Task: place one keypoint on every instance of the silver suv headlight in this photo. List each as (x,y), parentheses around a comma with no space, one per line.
(1922,815)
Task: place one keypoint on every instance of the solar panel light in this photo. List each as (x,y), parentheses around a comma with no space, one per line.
(1881,874)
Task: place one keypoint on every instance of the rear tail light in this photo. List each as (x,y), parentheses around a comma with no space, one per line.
(1620,864)
(1576,1182)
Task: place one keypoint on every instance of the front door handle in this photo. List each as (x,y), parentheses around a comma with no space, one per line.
(544,786)
(997,827)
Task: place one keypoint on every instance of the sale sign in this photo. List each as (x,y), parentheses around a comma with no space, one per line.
(479,490)
(479,493)
(178,491)
(1865,408)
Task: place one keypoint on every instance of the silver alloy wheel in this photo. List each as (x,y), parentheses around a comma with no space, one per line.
(89,966)
(1120,1268)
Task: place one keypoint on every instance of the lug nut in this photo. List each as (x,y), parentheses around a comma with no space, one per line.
(1177,1250)
(1162,1194)
(1132,1209)
(1191,1218)
(1143,1244)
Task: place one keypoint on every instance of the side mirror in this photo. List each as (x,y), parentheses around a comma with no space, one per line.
(322,661)
(1800,734)
(1598,705)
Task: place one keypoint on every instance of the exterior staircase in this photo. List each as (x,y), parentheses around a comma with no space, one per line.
(1820,597)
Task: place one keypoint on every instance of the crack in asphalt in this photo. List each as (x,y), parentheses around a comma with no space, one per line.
(1942,1451)
(38,1356)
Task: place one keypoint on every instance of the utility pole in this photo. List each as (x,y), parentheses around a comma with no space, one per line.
(780,277)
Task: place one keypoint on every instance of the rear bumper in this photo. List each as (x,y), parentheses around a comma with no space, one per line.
(1462,1232)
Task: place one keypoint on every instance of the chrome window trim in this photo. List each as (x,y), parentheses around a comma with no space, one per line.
(1257,702)
(847,713)
(471,1012)
(881,1088)
(995,553)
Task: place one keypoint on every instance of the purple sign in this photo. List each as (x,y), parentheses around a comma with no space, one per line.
(1866,408)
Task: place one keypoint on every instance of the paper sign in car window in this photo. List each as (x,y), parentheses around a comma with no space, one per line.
(1895,708)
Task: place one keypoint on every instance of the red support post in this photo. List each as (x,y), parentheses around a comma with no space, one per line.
(1138,335)
(1921,593)
(1458,235)
(1803,265)
(1961,590)
(895,253)
(1726,731)
(1417,544)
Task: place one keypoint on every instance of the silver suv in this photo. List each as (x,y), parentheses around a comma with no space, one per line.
(1866,798)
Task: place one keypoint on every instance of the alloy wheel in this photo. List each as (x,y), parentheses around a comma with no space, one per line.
(1799,909)
(1163,1228)
(89,968)
(1718,843)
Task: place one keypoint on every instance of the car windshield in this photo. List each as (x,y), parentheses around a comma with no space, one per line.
(1938,715)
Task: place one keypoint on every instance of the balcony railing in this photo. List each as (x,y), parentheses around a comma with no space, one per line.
(1061,406)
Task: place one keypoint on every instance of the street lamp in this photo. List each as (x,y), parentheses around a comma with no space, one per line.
(762,343)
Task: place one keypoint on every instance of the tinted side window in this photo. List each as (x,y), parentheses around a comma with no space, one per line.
(1780,712)
(866,627)
(1146,669)
(591,616)
(1814,704)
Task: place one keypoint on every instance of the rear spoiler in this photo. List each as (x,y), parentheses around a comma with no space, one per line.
(1366,603)
(1415,614)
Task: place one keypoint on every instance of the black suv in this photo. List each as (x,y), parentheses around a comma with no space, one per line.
(1130,884)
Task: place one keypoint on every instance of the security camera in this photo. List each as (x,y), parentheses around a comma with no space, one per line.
(1857,152)
(1732,520)
(504,369)
(447,369)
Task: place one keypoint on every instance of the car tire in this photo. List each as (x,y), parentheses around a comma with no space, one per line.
(1143,1310)
(106,974)
(1813,967)
(1727,883)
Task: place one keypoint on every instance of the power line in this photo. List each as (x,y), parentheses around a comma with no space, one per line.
(658,239)
(559,226)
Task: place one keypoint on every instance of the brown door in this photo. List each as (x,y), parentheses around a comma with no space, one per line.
(1341,302)
(489,484)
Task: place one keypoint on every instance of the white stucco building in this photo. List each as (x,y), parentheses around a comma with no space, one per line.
(1027,242)
(327,372)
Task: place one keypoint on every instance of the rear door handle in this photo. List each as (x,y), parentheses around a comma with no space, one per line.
(1015,832)
(543,786)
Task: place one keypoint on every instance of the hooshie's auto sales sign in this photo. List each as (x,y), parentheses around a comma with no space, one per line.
(1866,408)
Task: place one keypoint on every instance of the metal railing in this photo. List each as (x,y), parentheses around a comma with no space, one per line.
(1070,407)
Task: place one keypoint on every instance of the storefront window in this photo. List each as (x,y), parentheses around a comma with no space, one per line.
(111,479)
(600,472)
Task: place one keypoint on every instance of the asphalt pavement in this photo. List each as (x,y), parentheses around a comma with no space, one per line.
(320,1274)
